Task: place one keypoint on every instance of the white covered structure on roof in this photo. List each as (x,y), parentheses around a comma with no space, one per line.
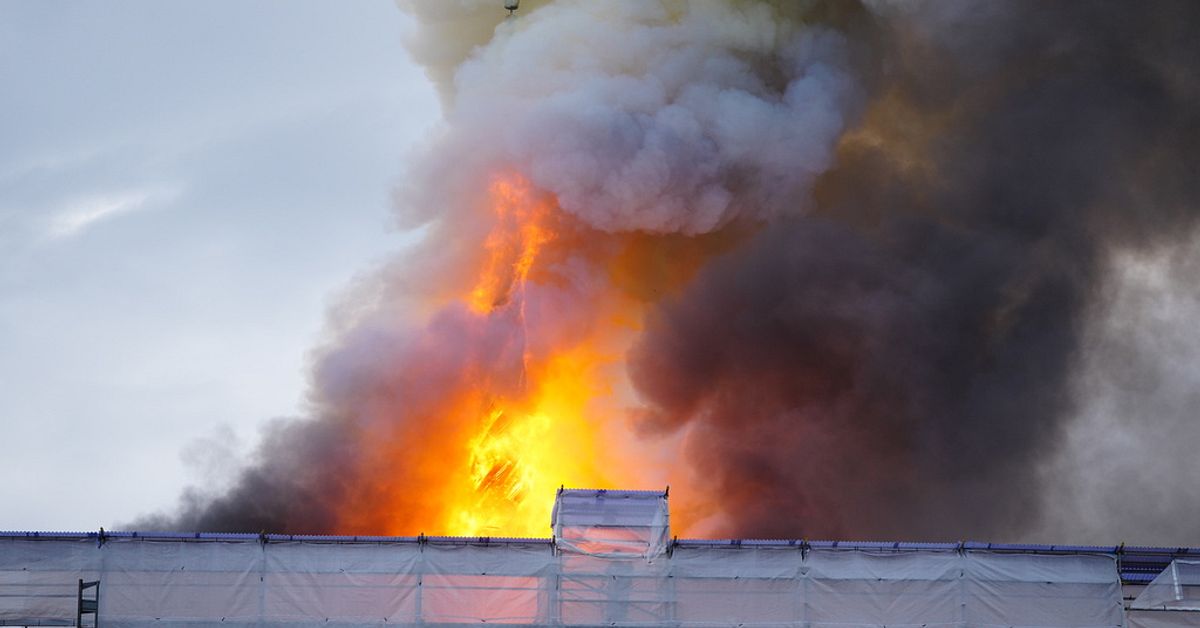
(612,566)
(614,524)
(1176,588)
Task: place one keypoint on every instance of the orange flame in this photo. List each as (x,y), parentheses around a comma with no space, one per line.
(512,247)
(523,448)
(534,395)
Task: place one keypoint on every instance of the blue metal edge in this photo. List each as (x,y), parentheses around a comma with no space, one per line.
(1151,553)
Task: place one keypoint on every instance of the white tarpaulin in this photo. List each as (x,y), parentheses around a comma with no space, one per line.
(1176,588)
(614,524)
(1171,600)
(309,583)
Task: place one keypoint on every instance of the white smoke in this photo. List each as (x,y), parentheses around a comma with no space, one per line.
(652,116)
(1128,472)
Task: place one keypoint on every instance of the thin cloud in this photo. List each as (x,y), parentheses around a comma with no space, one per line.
(88,211)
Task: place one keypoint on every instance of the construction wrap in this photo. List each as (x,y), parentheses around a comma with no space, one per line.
(470,581)
(1176,588)
(613,524)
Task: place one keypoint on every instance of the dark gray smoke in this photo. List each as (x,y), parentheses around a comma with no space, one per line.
(937,194)
(901,362)
(287,489)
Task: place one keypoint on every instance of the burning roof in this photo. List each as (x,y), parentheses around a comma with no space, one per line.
(827,267)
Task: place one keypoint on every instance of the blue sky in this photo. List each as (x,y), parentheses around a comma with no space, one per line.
(184,190)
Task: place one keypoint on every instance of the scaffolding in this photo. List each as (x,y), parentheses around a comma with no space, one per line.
(292,580)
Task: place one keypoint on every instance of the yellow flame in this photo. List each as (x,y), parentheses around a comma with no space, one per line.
(485,456)
(523,449)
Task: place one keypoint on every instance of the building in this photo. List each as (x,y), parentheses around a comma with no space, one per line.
(611,562)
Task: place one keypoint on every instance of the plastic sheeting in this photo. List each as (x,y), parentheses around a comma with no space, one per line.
(39,581)
(244,583)
(614,524)
(1162,619)
(1176,588)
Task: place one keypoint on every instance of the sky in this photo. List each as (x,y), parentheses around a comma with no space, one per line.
(185,190)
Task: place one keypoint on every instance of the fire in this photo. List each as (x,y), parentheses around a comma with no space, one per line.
(524,447)
(512,246)
(518,384)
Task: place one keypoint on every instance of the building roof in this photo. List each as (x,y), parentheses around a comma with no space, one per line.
(1137,564)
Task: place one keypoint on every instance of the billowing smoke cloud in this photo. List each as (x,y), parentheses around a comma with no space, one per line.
(900,362)
(853,250)
(1128,466)
(659,117)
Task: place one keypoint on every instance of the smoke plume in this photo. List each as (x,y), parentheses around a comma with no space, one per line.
(831,268)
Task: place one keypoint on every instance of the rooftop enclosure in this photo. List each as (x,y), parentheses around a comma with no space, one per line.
(1176,588)
(610,571)
(615,524)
